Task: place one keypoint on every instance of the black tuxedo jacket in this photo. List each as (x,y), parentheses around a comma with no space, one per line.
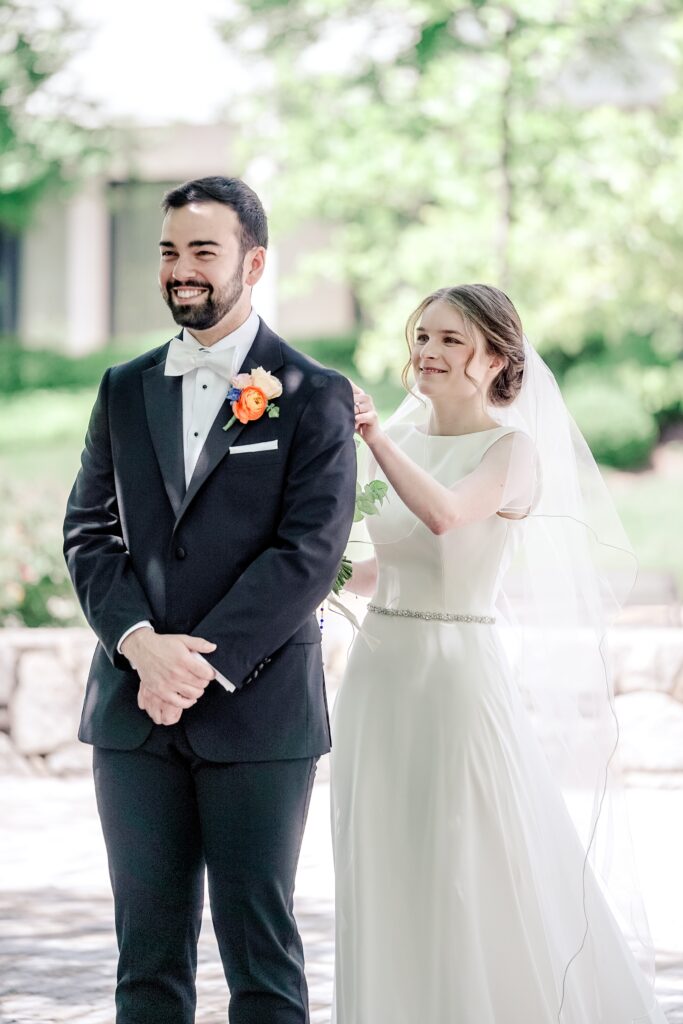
(242,558)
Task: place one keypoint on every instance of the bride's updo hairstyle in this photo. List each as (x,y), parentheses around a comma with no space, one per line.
(490,310)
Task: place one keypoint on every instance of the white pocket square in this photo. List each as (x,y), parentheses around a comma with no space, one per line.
(262,446)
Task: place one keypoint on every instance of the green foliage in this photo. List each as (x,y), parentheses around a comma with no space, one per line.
(514,141)
(35,589)
(38,418)
(655,385)
(336,352)
(27,369)
(619,431)
(650,507)
(43,143)
(343,576)
(369,499)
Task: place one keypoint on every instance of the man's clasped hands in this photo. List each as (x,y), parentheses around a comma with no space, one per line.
(173,675)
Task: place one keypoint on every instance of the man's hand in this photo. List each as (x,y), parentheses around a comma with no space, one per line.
(169,667)
(158,710)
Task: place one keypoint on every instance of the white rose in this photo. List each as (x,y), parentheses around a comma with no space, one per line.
(269,385)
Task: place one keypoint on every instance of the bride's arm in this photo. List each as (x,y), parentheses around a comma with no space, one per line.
(482,493)
(364,578)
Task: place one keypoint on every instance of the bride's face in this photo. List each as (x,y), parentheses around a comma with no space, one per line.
(442,347)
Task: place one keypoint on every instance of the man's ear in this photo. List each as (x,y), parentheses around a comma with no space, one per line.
(254,265)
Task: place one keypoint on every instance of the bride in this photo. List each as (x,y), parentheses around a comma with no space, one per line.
(468,891)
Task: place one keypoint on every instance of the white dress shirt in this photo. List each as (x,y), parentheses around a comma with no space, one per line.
(204,391)
(203,399)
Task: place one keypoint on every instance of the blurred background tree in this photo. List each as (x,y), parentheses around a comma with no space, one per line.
(45,141)
(532,144)
(48,141)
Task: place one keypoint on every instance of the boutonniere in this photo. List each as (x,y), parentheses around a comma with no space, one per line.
(251,396)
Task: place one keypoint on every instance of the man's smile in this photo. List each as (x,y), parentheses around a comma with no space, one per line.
(188,293)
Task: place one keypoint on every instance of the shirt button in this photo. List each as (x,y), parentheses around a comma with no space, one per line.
(205,386)
(196,433)
(180,553)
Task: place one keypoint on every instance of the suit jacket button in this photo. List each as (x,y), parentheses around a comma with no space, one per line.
(180,553)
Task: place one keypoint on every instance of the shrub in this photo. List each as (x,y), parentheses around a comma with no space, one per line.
(336,352)
(619,430)
(35,589)
(660,389)
(24,369)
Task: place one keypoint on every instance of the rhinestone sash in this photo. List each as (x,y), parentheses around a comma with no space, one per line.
(406,613)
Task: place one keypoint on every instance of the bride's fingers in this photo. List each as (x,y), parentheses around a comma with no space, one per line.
(364,420)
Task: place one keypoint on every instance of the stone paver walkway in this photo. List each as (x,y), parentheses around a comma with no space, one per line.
(57,947)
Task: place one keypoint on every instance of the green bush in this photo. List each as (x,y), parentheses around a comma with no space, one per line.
(24,369)
(659,388)
(35,589)
(336,352)
(619,431)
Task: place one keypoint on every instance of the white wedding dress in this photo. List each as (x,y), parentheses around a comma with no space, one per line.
(458,868)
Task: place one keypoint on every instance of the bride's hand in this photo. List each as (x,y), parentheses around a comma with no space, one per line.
(367,420)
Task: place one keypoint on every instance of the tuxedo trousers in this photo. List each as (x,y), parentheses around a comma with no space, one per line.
(169,816)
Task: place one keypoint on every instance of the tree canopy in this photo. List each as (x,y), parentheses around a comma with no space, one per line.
(44,140)
(533,144)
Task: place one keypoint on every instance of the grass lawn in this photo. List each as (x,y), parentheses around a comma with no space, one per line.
(649,504)
(41,436)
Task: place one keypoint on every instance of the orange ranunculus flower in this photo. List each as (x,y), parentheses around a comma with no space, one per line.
(251,405)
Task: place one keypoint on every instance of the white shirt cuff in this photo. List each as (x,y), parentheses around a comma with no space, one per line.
(138,625)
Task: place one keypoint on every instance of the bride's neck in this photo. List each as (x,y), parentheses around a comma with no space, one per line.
(461,419)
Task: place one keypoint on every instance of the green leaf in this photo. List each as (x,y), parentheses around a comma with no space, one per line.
(273,411)
(343,576)
(366,506)
(378,490)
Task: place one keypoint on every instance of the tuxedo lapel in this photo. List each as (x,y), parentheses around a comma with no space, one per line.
(164,409)
(266,352)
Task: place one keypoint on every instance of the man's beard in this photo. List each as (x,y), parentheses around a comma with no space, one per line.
(206,314)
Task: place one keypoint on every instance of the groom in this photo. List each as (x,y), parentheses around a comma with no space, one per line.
(199,555)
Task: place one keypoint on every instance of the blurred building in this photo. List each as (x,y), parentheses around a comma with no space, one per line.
(85,272)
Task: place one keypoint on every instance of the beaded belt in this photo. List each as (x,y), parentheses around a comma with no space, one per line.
(406,613)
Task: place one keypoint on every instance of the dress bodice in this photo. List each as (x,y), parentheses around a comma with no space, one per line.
(457,572)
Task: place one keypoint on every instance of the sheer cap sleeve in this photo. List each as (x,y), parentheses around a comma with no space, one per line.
(512,468)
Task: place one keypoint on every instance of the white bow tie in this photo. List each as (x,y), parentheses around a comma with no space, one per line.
(182,357)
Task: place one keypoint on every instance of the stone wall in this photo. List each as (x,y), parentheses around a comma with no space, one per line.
(42,679)
(43,674)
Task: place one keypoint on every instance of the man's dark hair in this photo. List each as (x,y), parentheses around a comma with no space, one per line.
(232,192)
